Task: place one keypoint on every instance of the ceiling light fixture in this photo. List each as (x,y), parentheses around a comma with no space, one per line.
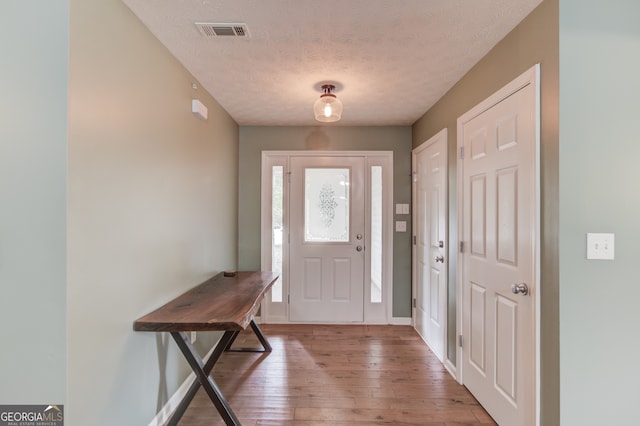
(328,107)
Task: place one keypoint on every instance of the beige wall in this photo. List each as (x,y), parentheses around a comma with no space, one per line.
(255,139)
(152,211)
(535,40)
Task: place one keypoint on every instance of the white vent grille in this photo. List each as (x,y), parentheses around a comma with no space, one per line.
(211,29)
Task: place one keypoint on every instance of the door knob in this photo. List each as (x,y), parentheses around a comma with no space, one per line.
(521,288)
(440,259)
(359,248)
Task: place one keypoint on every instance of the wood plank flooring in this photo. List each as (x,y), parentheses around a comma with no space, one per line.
(338,375)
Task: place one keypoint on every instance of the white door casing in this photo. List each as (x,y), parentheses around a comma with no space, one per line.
(498,199)
(327,248)
(430,237)
(275,231)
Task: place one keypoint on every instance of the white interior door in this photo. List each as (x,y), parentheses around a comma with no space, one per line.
(499,228)
(430,216)
(327,239)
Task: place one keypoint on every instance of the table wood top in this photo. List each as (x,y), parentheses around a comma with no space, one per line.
(220,303)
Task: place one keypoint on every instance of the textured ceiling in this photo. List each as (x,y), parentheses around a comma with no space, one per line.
(392,59)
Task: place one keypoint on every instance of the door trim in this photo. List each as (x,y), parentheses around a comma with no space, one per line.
(373,314)
(529,77)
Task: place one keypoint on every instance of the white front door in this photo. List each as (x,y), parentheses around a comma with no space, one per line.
(327,239)
(430,216)
(498,264)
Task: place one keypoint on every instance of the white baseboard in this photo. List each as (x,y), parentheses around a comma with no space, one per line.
(393,321)
(448,365)
(401,321)
(165,412)
(451,369)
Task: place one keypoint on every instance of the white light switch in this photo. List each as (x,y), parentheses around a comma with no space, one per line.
(600,246)
(402,208)
(401,226)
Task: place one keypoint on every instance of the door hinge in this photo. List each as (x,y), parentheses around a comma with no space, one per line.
(288,299)
(462,152)
(414,240)
(414,302)
(460,340)
(461,246)
(288,177)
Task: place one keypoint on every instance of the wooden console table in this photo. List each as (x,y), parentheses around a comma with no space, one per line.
(219,304)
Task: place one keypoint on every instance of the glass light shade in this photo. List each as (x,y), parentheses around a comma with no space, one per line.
(327,108)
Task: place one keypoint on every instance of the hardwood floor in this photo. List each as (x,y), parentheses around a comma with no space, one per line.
(338,375)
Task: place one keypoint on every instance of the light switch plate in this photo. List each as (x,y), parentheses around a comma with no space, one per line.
(600,246)
(402,208)
(401,226)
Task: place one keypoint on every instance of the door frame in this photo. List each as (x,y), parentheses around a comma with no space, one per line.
(442,134)
(379,313)
(529,77)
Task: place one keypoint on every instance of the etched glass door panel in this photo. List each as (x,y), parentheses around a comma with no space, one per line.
(326,205)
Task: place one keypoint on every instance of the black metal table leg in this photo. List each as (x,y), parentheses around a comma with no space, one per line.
(193,389)
(203,378)
(263,341)
(231,340)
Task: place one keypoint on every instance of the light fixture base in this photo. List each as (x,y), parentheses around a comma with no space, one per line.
(338,87)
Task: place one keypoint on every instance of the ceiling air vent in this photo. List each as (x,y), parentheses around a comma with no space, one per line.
(210,29)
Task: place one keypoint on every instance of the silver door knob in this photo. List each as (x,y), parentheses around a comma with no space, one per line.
(440,259)
(359,248)
(521,288)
